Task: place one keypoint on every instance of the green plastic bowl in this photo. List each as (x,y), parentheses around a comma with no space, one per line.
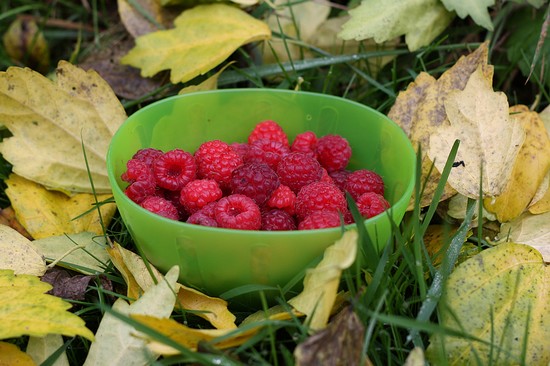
(216,260)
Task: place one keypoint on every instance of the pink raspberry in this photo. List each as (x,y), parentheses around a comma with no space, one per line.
(140,190)
(240,148)
(333,152)
(320,220)
(238,211)
(216,160)
(174,169)
(137,170)
(255,180)
(362,181)
(339,177)
(296,170)
(160,206)
(277,220)
(319,196)
(147,155)
(198,193)
(266,151)
(269,130)
(371,204)
(282,198)
(200,218)
(306,143)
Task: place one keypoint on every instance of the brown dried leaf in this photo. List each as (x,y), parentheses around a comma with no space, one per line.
(69,287)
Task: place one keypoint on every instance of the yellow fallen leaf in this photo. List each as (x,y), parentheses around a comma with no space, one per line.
(501,296)
(51,121)
(321,283)
(18,254)
(46,213)
(541,200)
(25,309)
(209,84)
(137,24)
(203,37)
(40,348)
(490,139)
(25,43)
(530,167)
(420,111)
(529,229)
(133,290)
(11,355)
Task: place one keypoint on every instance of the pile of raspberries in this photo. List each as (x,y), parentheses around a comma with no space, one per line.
(267,183)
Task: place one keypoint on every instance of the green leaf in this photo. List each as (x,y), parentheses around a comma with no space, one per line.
(477,9)
(421,21)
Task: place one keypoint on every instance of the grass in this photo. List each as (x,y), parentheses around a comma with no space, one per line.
(396,292)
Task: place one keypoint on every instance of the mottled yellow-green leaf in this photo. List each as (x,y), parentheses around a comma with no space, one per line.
(530,167)
(421,21)
(529,229)
(321,283)
(18,254)
(476,9)
(25,43)
(203,37)
(51,120)
(11,355)
(501,296)
(26,309)
(44,213)
(489,138)
(41,348)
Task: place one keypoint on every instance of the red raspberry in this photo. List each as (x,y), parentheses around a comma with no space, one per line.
(174,169)
(269,130)
(266,151)
(362,181)
(147,155)
(200,218)
(339,177)
(140,190)
(282,198)
(319,196)
(277,220)
(297,170)
(198,193)
(325,177)
(240,148)
(137,170)
(216,160)
(320,220)
(238,211)
(371,204)
(333,152)
(257,181)
(160,206)
(174,197)
(306,143)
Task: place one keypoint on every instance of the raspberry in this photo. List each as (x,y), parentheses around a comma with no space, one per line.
(174,169)
(198,193)
(200,218)
(269,130)
(339,177)
(257,181)
(277,220)
(306,143)
(140,190)
(216,160)
(147,155)
(137,170)
(174,197)
(266,151)
(362,181)
(319,196)
(333,152)
(325,177)
(238,211)
(240,148)
(320,220)
(296,170)
(160,206)
(283,198)
(371,204)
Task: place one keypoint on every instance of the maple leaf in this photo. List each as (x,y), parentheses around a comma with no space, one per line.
(18,254)
(203,37)
(25,309)
(502,297)
(51,122)
(477,9)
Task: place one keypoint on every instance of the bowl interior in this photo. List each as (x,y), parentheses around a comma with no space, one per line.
(217,260)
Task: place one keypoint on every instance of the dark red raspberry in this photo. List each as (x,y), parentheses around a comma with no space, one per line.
(238,211)
(174,169)
(174,197)
(266,151)
(269,130)
(362,181)
(371,204)
(333,152)
(320,220)
(282,198)
(240,148)
(297,170)
(339,177)
(319,196)
(140,190)
(277,220)
(306,143)
(255,180)
(147,155)
(137,170)
(200,218)
(216,160)
(198,193)
(160,206)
